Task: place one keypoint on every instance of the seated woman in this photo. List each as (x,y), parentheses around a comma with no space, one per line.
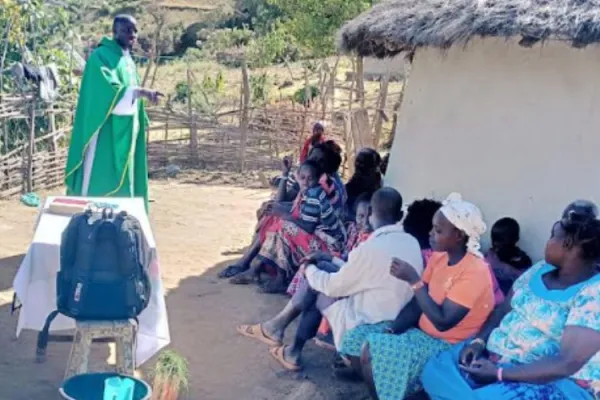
(329,160)
(451,302)
(366,178)
(311,225)
(544,341)
(505,258)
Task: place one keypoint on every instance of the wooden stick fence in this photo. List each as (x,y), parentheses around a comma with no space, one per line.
(34,162)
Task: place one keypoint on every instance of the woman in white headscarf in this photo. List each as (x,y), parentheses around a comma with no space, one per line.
(452,300)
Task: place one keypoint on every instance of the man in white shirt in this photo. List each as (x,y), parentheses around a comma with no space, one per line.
(360,292)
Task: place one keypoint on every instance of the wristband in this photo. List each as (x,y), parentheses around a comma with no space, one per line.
(499,374)
(417,286)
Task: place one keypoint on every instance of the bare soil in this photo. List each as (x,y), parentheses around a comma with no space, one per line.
(201,225)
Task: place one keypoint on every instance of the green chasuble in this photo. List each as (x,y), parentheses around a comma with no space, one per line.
(107,155)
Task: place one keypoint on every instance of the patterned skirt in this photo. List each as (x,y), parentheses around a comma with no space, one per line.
(354,339)
(398,360)
(443,379)
(285,244)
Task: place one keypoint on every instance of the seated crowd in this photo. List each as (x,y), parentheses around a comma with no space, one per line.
(408,299)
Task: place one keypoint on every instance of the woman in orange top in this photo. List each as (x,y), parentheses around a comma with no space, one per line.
(452,300)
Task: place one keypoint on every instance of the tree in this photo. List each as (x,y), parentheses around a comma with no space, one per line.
(314,23)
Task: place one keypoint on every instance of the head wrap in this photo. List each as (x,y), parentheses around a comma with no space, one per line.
(467,218)
(319,124)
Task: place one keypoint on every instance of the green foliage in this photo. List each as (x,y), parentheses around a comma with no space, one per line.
(224,39)
(193,54)
(35,27)
(206,96)
(260,86)
(300,95)
(181,92)
(314,22)
(220,82)
(275,47)
(257,15)
(171,374)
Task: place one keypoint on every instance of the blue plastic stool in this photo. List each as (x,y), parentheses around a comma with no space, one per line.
(91,387)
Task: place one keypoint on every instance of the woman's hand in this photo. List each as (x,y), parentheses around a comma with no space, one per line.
(471,353)
(404,271)
(482,371)
(286,165)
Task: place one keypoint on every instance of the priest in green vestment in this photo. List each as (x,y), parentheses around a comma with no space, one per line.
(107,155)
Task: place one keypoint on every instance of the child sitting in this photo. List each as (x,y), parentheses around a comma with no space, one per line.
(505,258)
(311,225)
(359,230)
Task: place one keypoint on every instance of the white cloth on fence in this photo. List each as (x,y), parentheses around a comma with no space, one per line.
(35,282)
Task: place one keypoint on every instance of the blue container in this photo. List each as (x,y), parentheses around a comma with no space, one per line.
(91,387)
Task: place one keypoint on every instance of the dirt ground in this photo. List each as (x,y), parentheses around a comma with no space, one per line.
(201,225)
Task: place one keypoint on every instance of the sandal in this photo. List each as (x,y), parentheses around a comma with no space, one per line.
(257,332)
(277,353)
(231,271)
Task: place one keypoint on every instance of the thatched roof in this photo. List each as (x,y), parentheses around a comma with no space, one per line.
(403,25)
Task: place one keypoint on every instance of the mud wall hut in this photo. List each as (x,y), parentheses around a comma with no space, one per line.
(502,103)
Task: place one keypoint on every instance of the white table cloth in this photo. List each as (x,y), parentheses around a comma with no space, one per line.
(35,282)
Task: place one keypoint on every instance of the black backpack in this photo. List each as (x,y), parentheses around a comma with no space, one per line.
(103,270)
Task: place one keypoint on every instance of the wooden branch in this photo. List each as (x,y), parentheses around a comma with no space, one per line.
(244,119)
(378,124)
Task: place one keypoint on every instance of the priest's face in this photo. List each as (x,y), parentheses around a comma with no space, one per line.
(125,33)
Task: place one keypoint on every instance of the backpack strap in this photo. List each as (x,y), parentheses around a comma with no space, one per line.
(42,340)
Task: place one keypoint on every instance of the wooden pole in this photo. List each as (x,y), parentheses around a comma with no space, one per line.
(360,81)
(352,85)
(52,118)
(322,86)
(2,63)
(166,144)
(244,121)
(307,94)
(192,119)
(331,89)
(378,125)
(30,149)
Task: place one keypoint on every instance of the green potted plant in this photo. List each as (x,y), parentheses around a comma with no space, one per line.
(170,376)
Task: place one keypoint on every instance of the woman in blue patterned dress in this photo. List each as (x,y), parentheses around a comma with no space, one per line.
(544,341)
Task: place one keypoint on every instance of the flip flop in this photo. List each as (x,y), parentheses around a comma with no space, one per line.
(277,353)
(257,332)
(231,271)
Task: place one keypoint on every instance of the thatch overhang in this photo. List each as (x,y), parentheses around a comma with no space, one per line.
(395,26)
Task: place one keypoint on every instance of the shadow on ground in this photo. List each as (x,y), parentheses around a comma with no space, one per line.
(8,270)
(240,365)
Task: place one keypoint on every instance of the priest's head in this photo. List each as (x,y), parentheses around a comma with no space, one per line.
(125,31)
